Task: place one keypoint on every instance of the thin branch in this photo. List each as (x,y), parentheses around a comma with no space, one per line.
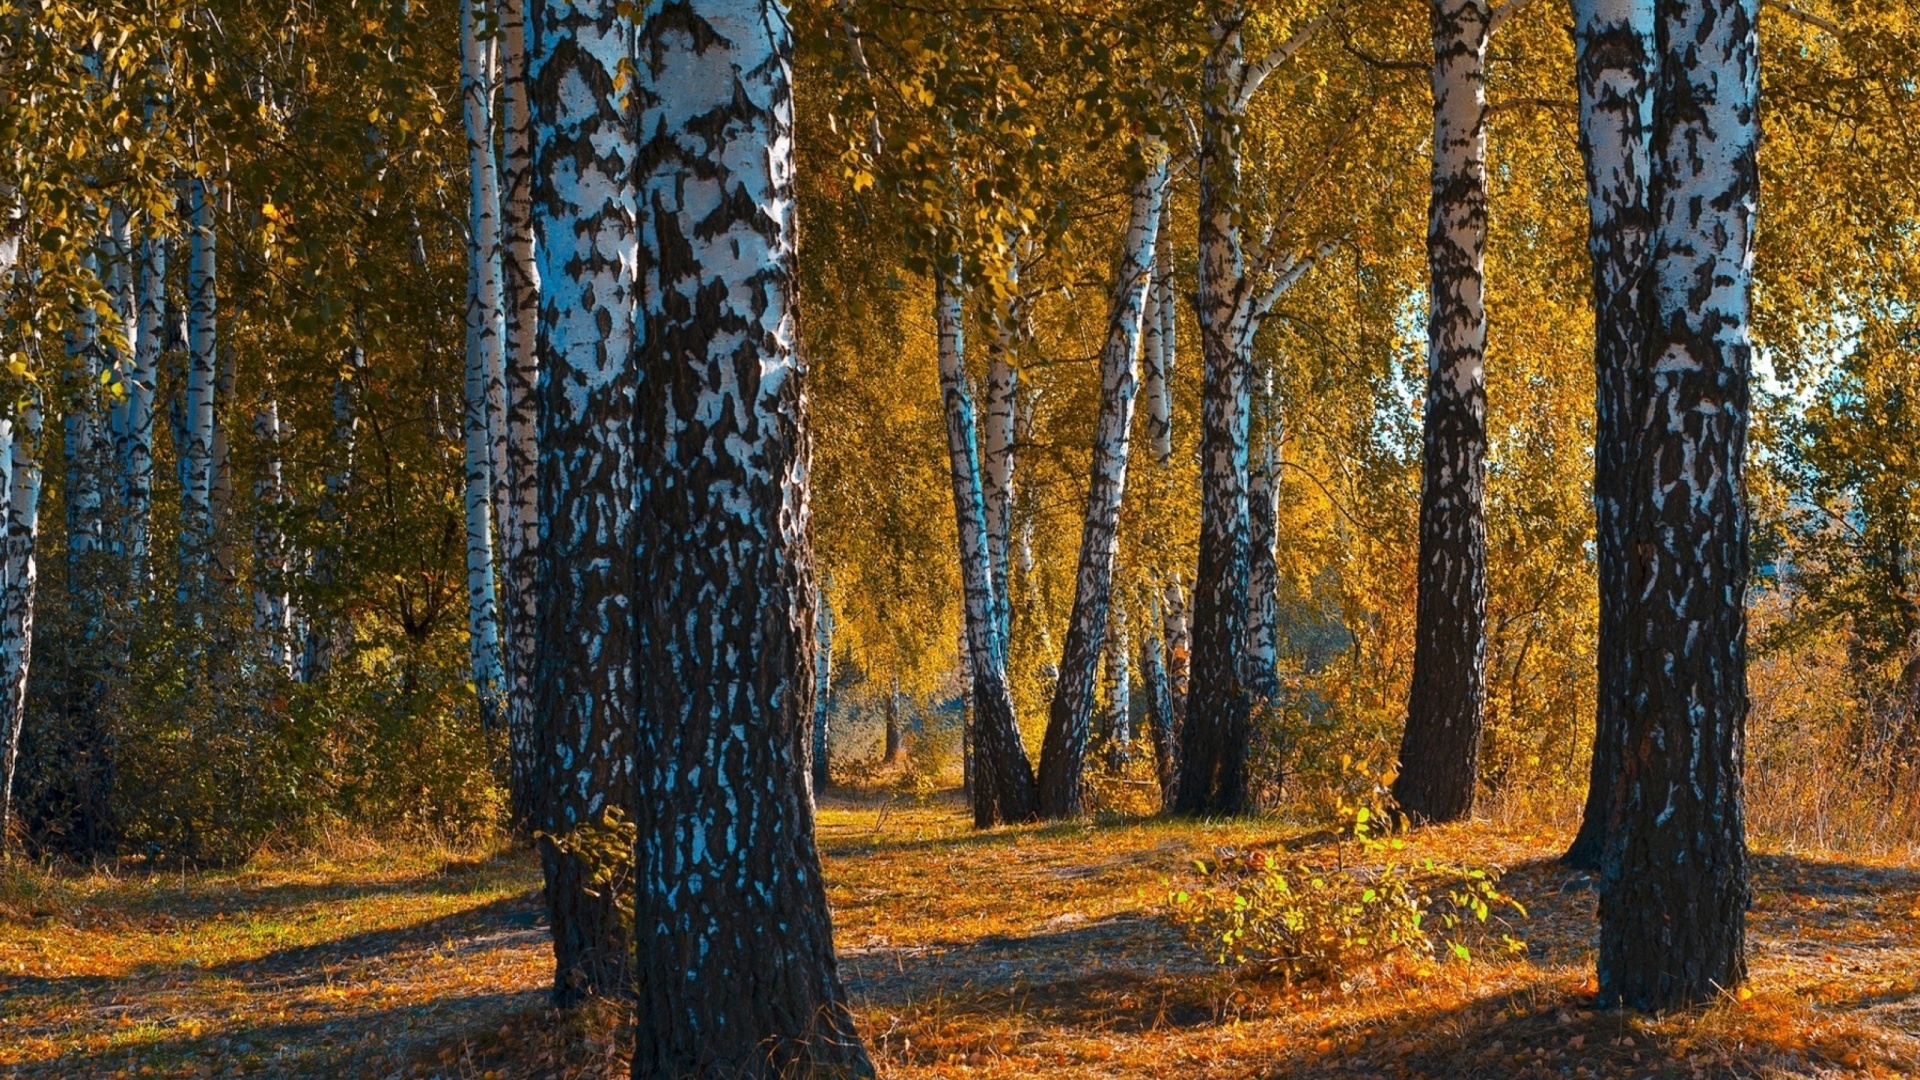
(1370,60)
(1266,65)
(1783,7)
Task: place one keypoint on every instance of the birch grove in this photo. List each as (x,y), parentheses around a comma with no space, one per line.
(652,438)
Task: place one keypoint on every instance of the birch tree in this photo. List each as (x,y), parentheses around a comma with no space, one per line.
(820,765)
(1003,389)
(1003,786)
(1157,351)
(1446,707)
(1614,54)
(729,880)
(1234,295)
(196,452)
(1263,566)
(1063,753)
(584,214)
(272,557)
(520,527)
(17,595)
(483,350)
(1673,880)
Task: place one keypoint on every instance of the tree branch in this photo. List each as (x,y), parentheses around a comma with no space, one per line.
(1257,72)
(1783,7)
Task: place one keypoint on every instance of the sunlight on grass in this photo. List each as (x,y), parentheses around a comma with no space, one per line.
(1009,953)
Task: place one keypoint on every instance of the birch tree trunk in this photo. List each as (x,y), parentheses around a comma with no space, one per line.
(142,384)
(822,693)
(1213,739)
(197,422)
(737,969)
(483,361)
(1263,567)
(1179,630)
(584,212)
(1446,707)
(1003,789)
(1159,711)
(1157,351)
(1614,67)
(1063,753)
(272,558)
(1673,881)
(1119,724)
(518,556)
(17,596)
(1003,388)
(81,769)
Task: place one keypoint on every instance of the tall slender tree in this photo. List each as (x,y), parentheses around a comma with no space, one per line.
(1001,452)
(196,452)
(820,764)
(17,595)
(1003,785)
(520,528)
(584,215)
(484,438)
(1614,72)
(1232,297)
(1673,880)
(737,971)
(1063,753)
(1446,707)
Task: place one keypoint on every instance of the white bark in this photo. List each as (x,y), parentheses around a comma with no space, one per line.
(1062,760)
(272,560)
(1263,571)
(483,425)
(22,437)
(1157,352)
(197,454)
(1003,388)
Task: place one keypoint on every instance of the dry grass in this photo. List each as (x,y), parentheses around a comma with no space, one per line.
(1006,954)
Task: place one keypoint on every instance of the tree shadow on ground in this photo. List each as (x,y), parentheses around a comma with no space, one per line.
(369,1042)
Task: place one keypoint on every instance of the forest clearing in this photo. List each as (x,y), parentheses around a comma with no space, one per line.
(1016,953)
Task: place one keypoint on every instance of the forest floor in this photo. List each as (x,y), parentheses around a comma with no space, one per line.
(1010,953)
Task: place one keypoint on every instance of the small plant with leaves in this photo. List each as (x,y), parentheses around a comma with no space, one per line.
(1304,921)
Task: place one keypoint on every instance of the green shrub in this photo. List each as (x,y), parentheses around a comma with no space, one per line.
(1303,920)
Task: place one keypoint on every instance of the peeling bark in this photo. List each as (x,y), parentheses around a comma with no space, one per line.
(22,535)
(519,527)
(483,434)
